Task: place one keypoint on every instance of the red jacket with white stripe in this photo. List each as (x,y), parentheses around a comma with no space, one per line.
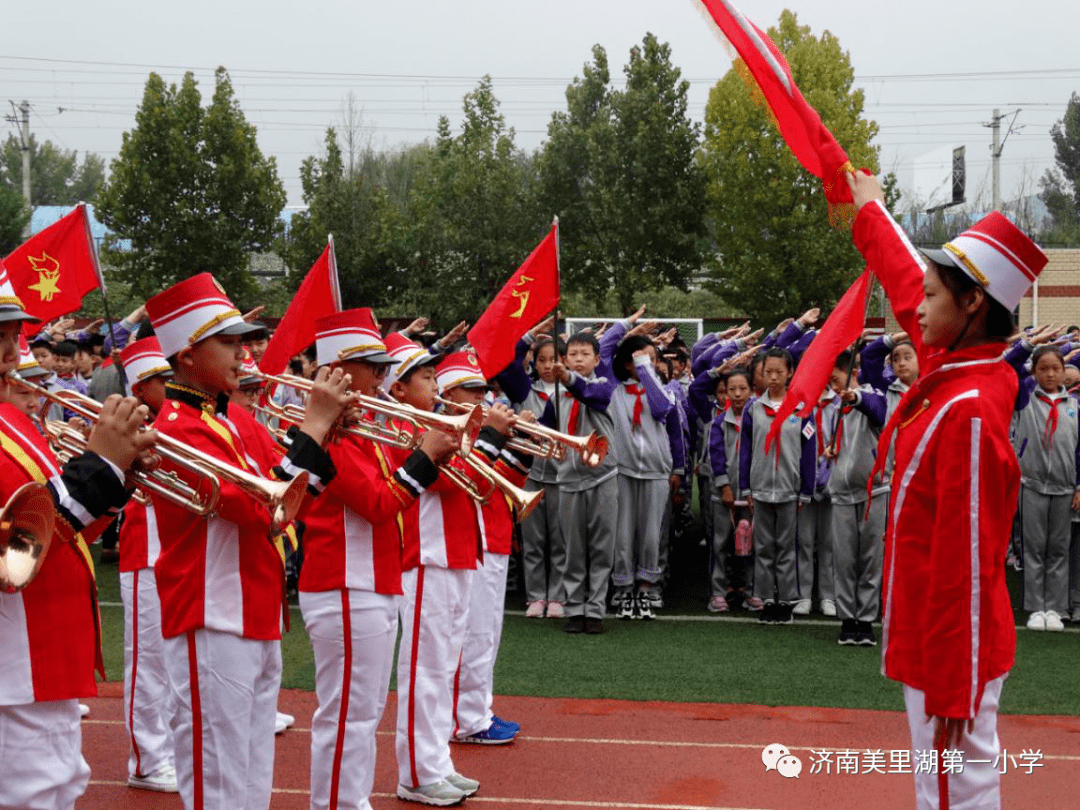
(139,541)
(49,640)
(496,516)
(947,622)
(224,572)
(354,529)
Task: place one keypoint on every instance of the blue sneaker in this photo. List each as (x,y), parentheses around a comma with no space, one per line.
(492,735)
(510,724)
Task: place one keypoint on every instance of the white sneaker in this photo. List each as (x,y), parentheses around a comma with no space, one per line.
(801,608)
(282,722)
(83,710)
(163,780)
(1053,621)
(463,783)
(828,607)
(1036,621)
(535,610)
(440,794)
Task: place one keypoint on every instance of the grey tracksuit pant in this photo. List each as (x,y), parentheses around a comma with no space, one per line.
(588,524)
(727,569)
(543,552)
(637,539)
(1046,527)
(774,551)
(814,535)
(858,541)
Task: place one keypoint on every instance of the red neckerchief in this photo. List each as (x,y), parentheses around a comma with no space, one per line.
(1051,418)
(575,409)
(771,413)
(637,391)
(819,419)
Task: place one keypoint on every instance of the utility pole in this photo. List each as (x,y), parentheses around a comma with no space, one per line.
(996,148)
(22,122)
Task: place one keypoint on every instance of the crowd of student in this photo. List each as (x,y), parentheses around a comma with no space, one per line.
(392,539)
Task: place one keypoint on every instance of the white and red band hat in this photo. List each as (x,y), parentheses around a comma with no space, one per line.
(997,255)
(460,369)
(405,355)
(349,335)
(249,371)
(143,359)
(193,310)
(28,364)
(11,306)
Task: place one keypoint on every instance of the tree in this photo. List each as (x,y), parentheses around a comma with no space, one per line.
(191,191)
(474,212)
(56,176)
(1061,185)
(775,251)
(14,215)
(619,169)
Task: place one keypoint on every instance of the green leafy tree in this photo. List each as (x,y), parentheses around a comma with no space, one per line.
(191,191)
(56,176)
(776,252)
(14,215)
(619,168)
(474,212)
(1061,185)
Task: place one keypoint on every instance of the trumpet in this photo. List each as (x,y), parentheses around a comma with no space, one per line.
(282,498)
(26,530)
(520,499)
(410,421)
(545,442)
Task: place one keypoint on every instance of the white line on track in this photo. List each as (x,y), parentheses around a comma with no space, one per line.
(616,741)
(734,619)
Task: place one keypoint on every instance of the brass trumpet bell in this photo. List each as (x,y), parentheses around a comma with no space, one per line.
(26,530)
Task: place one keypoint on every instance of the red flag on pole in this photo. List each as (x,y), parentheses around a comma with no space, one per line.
(55,268)
(842,328)
(798,122)
(318,295)
(526,299)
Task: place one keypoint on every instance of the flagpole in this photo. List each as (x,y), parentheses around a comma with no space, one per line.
(555,325)
(335,285)
(101,281)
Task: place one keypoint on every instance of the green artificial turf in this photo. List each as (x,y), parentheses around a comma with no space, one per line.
(694,660)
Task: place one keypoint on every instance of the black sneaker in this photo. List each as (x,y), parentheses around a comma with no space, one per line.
(783,614)
(643,606)
(865,635)
(594,627)
(768,614)
(849,633)
(575,624)
(626,605)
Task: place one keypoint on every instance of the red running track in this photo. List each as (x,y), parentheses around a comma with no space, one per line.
(585,754)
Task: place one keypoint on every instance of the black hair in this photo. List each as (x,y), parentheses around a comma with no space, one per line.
(85,345)
(843,360)
(624,356)
(560,345)
(776,351)
(755,361)
(1042,351)
(585,338)
(145,330)
(899,343)
(65,348)
(311,353)
(1073,328)
(294,367)
(999,321)
(663,371)
(404,378)
(42,343)
(740,372)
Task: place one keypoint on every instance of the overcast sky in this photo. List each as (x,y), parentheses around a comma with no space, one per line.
(933,70)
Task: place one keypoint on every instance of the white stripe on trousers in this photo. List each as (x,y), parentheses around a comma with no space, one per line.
(235,689)
(978,786)
(41,756)
(433,614)
(352,636)
(476,673)
(146,683)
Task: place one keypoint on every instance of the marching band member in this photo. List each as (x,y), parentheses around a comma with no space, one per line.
(350,584)
(151,761)
(947,631)
(49,629)
(221,579)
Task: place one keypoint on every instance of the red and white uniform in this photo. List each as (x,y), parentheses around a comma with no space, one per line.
(474,683)
(948,632)
(349,592)
(49,631)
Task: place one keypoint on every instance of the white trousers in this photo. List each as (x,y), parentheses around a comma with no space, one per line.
(352,636)
(476,672)
(41,761)
(978,786)
(146,684)
(434,611)
(224,703)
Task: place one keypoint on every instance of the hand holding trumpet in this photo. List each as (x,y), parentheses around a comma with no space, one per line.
(117,435)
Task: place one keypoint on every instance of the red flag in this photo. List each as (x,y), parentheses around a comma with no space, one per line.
(319,295)
(526,299)
(55,268)
(806,136)
(843,327)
